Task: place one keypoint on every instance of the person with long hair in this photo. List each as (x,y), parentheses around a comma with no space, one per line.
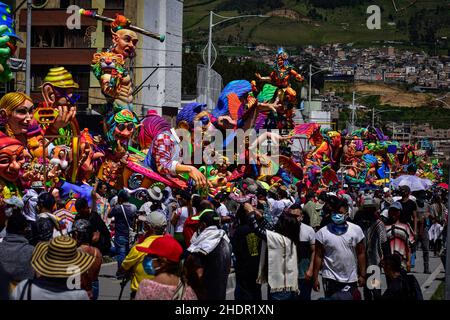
(163,262)
(180,215)
(281,241)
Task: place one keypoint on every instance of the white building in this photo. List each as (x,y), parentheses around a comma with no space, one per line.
(162,88)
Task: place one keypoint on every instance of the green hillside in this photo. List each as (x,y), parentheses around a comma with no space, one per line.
(316,24)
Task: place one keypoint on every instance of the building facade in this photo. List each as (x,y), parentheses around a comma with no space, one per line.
(54,44)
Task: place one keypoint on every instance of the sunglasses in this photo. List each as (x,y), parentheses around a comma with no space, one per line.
(205,120)
(72,100)
(122,126)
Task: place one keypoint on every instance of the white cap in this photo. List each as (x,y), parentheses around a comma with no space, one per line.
(386,189)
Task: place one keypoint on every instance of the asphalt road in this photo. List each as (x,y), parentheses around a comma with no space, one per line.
(110,287)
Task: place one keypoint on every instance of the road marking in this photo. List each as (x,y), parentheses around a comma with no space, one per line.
(431,278)
(108,264)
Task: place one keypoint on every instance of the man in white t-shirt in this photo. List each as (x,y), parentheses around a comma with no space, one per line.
(340,252)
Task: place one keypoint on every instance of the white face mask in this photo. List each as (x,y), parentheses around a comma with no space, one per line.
(9,211)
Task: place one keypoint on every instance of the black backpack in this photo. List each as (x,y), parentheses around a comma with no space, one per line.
(413,291)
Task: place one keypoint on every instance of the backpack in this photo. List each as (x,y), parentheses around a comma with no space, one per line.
(189,228)
(414,291)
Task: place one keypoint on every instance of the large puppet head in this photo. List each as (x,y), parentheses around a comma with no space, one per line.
(91,155)
(281,59)
(16,113)
(230,104)
(124,40)
(152,125)
(121,126)
(58,87)
(12,158)
(191,113)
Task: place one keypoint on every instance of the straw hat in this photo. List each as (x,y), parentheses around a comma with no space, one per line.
(61,78)
(60,258)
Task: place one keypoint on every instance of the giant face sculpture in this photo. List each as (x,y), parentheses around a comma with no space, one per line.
(12,158)
(124,42)
(16,113)
(121,126)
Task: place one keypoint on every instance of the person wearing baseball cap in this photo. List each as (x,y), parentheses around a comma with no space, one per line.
(162,262)
(155,224)
(210,251)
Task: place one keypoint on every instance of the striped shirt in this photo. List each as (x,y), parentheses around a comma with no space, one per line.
(400,237)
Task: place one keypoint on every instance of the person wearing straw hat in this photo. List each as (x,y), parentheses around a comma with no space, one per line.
(59,266)
(57,91)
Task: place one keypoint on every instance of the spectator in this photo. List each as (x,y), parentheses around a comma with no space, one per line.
(12,205)
(181,214)
(401,286)
(247,249)
(55,262)
(376,243)
(100,199)
(423,213)
(82,233)
(305,254)
(101,238)
(435,235)
(340,253)
(312,209)
(46,226)
(210,251)
(162,261)
(281,271)
(30,200)
(124,214)
(15,251)
(191,225)
(155,225)
(399,235)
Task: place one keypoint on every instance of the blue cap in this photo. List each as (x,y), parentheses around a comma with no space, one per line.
(7,20)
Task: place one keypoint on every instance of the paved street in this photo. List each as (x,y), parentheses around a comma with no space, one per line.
(110,287)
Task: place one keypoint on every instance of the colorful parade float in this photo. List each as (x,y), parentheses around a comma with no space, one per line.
(42,144)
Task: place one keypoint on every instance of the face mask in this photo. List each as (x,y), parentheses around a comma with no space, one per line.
(338,218)
(8,212)
(148,266)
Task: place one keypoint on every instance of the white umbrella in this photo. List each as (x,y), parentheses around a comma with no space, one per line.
(413,182)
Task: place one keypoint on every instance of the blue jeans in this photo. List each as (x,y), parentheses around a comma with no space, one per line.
(95,289)
(305,288)
(283,295)
(121,248)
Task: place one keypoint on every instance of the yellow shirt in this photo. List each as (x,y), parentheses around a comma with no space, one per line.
(133,261)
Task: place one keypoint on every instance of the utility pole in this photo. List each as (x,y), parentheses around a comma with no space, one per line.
(373,117)
(447,257)
(28,50)
(208,80)
(353,112)
(310,87)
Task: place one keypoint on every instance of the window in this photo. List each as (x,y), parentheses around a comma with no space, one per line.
(81,3)
(114,4)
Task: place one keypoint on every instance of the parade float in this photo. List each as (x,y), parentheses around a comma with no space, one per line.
(41,141)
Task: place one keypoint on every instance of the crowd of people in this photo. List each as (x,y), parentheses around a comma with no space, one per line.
(178,245)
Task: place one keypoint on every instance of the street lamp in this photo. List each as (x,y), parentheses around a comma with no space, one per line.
(378,112)
(353,107)
(211,25)
(310,81)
